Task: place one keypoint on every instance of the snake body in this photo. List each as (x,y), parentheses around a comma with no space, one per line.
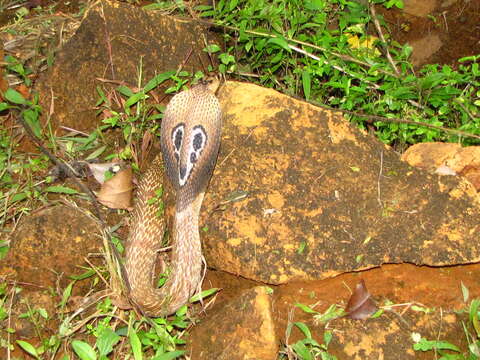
(190,139)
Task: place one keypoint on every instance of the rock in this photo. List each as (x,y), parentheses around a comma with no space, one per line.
(323,197)
(112,42)
(240,330)
(424,48)
(50,245)
(464,161)
(419,7)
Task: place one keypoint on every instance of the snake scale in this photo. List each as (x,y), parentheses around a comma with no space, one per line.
(190,139)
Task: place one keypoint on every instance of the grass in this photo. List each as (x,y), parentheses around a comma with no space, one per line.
(323,51)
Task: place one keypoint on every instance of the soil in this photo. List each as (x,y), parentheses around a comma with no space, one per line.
(400,283)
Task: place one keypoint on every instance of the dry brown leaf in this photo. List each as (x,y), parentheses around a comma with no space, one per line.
(116,193)
(98,170)
(3,81)
(360,305)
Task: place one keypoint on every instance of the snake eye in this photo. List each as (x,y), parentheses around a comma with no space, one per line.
(177,139)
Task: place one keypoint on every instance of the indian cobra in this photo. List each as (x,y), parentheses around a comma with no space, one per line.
(190,138)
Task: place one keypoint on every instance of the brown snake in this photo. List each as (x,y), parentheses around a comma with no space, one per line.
(190,138)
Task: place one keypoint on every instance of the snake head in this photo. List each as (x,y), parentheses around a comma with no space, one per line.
(190,138)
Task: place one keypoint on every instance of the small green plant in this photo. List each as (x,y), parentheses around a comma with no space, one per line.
(307,348)
(449,351)
(293,47)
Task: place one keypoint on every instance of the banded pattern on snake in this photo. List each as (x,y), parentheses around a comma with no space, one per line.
(190,139)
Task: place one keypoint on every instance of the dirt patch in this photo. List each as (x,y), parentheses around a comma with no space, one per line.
(437,289)
(453,23)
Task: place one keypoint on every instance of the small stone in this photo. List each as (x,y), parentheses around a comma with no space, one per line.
(242,329)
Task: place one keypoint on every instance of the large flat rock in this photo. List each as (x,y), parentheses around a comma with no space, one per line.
(323,197)
(116,42)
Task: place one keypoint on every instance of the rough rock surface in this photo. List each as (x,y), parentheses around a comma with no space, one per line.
(389,337)
(464,161)
(323,197)
(50,245)
(419,7)
(241,330)
(424,48)
(111,43)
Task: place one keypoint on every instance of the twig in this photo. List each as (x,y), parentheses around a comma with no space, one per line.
(378,180)
(374,118)
(184,61)
(380,33)
(405,121)
(306,53)
(10,321)
(470,115)
(69,171)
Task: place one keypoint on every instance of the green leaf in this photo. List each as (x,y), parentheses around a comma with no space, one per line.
(32,119)
(212,48)
(170,355)
(66,294)
(96,153)
(300,349)
(306,309)
(427,345)
(83,350)
(203,294)
(19,197)
(307,83)
(85,275)
(474,315)
(157,80)
(124,90)
(281,42)
(29,348)
(106,340)
(327,337)
(59,189)
(304,328)
(132,100)
(3,106)
(43,313)
(136,345)
(103,98)
(14,96)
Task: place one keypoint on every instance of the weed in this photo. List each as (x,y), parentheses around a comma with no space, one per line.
(307,348)
(320,50)
(448,351)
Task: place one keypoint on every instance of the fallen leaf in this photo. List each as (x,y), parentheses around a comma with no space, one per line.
(98,170)
(116,193)
(3,81)
(360,305)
